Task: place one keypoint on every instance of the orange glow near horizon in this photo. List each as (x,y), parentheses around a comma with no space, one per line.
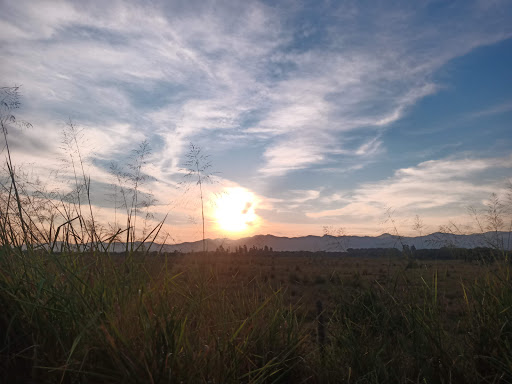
(235,211)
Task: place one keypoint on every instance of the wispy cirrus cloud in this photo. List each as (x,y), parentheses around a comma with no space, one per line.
(199,69)
(493,110)
(304,87)
(432,188)
(366,80)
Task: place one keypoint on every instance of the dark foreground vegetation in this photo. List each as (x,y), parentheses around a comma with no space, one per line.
(98,317)
(73,312)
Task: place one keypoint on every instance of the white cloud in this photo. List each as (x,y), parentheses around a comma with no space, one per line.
(494,110)
(434,188)
(226,61)
(370,147)
(368,82)
(288,156)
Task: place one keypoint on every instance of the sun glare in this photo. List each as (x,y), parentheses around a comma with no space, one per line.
(234,210)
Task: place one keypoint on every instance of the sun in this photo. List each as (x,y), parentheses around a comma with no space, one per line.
(234,211)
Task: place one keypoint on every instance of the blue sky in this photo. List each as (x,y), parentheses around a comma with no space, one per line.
(325,112)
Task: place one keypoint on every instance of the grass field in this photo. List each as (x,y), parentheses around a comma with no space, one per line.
(268,317)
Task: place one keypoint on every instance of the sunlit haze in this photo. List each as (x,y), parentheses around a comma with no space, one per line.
(234,211)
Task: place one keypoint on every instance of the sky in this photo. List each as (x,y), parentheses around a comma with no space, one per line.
(312,113)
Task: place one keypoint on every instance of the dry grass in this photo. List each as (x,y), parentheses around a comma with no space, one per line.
(252,318)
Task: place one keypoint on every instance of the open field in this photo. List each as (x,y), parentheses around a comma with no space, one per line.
(261,317)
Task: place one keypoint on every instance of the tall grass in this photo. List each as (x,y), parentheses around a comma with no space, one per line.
(402,332)
(79,316)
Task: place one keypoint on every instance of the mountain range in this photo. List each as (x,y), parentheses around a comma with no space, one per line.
(340,243)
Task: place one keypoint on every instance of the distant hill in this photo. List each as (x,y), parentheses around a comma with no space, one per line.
(341,243)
